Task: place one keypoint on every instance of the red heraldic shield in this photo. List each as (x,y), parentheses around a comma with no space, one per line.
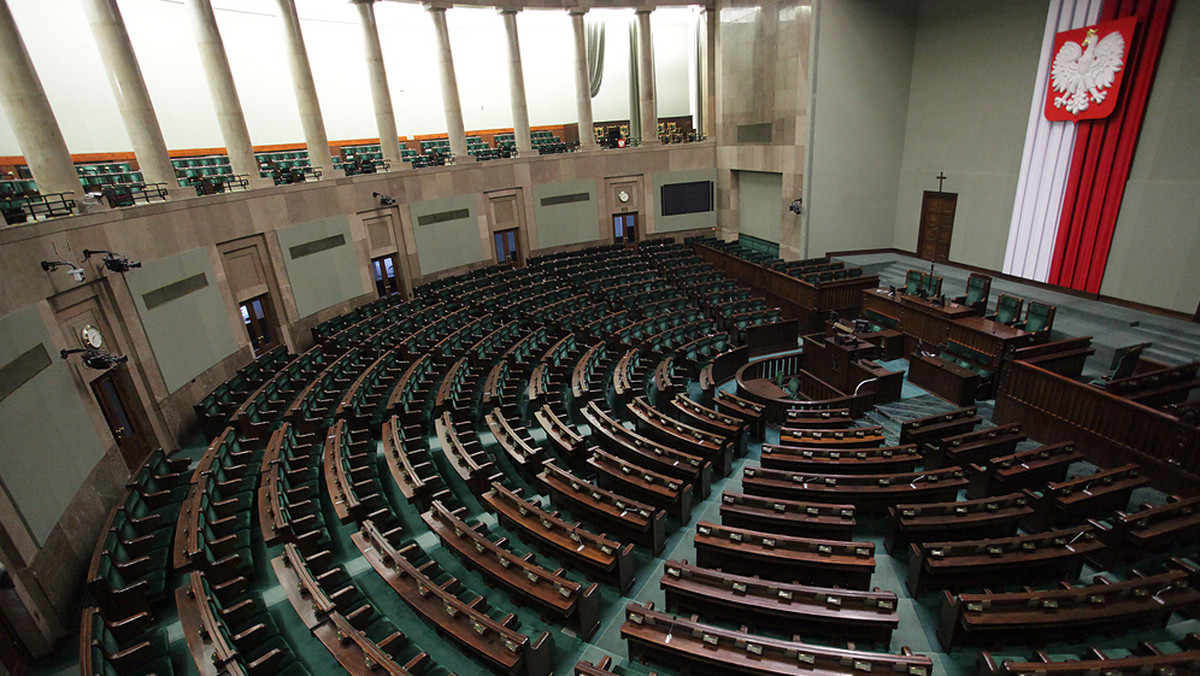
(1086,70)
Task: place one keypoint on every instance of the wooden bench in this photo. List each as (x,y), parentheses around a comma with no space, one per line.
(1135,535)
(698,415)
(630,519)
(817,419)
(1023,469)
(753,413)
(978,446)
(464,453)
(671,494)
(1037,617)
(785,557)
(869,493)
(689,645)
(561,435)
(954,565)
(929,428)
(781,607)
(410,464)
(852,437)
(658,427)
(788,517)
(551,592)
(521,449)
(955,520)
(1146,658)
(493,641)
(351,478)
(597,554)
(638,450)
(820,459)
(1088,496)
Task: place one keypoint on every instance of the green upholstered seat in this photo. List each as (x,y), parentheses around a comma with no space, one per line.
(1008,309)
(1038,318)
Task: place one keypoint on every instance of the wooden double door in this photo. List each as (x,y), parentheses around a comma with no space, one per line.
(937,225)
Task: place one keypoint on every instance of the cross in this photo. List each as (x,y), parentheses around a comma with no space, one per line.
(940,177)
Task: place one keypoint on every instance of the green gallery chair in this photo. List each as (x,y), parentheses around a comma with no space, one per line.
(1008,309)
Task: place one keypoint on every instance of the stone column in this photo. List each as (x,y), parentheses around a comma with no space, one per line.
(129,89)
(29,112)
(381,96)
(648,107)
(306,90)
(224,92)
(583,86)
(516,82)
(450,102)
(708,72)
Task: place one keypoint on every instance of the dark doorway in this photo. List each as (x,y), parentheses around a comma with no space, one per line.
(385,271)
(937,225)
(112,391)
(625,227)
(260,323)
(507,249)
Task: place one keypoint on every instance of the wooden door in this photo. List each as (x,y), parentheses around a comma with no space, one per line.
(113,394)
(937,225)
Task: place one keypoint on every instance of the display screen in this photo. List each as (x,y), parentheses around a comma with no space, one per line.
(687,198)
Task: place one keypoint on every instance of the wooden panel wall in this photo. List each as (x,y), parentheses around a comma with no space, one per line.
(1109,430)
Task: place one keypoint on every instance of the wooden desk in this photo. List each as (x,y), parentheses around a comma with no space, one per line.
(1023,469)
(629,518)
(1050,556)
(1041,616)
(922,321)
(871,493)
(954,383)
(820,460)
(785,557)
(702,648)
(955,520)
(598,554)
(789,517)
(780,606)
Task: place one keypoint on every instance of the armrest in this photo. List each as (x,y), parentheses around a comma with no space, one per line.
(128,660)
(135,568)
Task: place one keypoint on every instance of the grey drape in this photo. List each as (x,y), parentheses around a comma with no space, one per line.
(594,41)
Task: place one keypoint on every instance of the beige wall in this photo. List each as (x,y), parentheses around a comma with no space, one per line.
(1157,240)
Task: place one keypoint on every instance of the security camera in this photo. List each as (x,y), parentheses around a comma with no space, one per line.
(96,359)
(384,200)
(76,273)
(113,261)
(797,206)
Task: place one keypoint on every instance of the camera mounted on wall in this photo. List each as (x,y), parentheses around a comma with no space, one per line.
(384,200)
(113,261)
(797,207)
(95,358)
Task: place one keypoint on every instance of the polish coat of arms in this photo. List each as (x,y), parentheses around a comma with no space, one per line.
(1085,76)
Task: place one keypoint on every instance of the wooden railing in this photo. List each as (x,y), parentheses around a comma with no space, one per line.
(1110,430)
(810,303)
(792,365)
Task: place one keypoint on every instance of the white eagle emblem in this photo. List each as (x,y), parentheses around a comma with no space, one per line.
(1080,74)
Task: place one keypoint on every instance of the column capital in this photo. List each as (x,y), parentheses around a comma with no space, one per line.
(438,5)
(577,11)
(643,10)
(508,10)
